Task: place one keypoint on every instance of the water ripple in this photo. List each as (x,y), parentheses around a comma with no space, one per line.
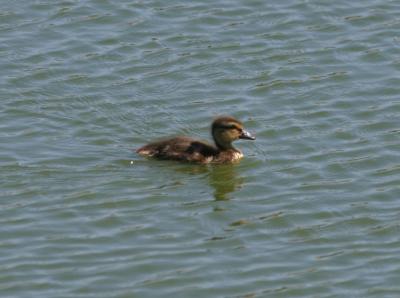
(313,203)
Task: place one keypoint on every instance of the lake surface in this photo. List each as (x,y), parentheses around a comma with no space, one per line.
(313,210)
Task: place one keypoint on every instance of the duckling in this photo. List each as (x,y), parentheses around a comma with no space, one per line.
(224,131)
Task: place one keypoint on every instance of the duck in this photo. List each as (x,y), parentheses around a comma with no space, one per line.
(224,131)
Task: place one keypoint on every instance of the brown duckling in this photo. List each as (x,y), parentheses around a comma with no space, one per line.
(224,131)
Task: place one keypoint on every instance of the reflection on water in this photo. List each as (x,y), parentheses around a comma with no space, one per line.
(224,179)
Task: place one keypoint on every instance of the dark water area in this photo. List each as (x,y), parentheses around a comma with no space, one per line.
(311,211)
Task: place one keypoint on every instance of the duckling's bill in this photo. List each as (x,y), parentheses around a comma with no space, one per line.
(245,135)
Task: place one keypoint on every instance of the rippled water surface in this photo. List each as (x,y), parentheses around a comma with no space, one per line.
(311,211)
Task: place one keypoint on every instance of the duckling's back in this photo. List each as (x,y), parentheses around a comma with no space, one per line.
(180,148)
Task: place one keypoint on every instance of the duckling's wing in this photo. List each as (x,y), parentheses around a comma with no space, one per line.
(179,148)
(198,151)
(164,147)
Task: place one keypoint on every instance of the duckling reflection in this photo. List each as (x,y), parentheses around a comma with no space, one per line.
(224,131)
(225,180)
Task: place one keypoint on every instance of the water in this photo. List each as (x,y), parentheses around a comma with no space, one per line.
(311,211)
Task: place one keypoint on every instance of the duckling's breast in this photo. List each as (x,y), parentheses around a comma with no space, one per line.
(228,156)
(237,155)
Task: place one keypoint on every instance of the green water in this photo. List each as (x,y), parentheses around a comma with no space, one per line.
(311,211)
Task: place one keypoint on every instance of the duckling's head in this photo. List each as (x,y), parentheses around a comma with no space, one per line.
(227,129)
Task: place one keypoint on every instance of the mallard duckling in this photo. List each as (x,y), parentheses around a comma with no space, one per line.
(224,131)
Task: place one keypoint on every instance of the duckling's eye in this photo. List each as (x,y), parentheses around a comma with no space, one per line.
(231,126)
(236,128)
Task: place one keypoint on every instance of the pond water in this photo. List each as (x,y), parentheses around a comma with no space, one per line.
(311,211)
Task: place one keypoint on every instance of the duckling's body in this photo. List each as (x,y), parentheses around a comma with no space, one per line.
(188,149)
(224,130)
